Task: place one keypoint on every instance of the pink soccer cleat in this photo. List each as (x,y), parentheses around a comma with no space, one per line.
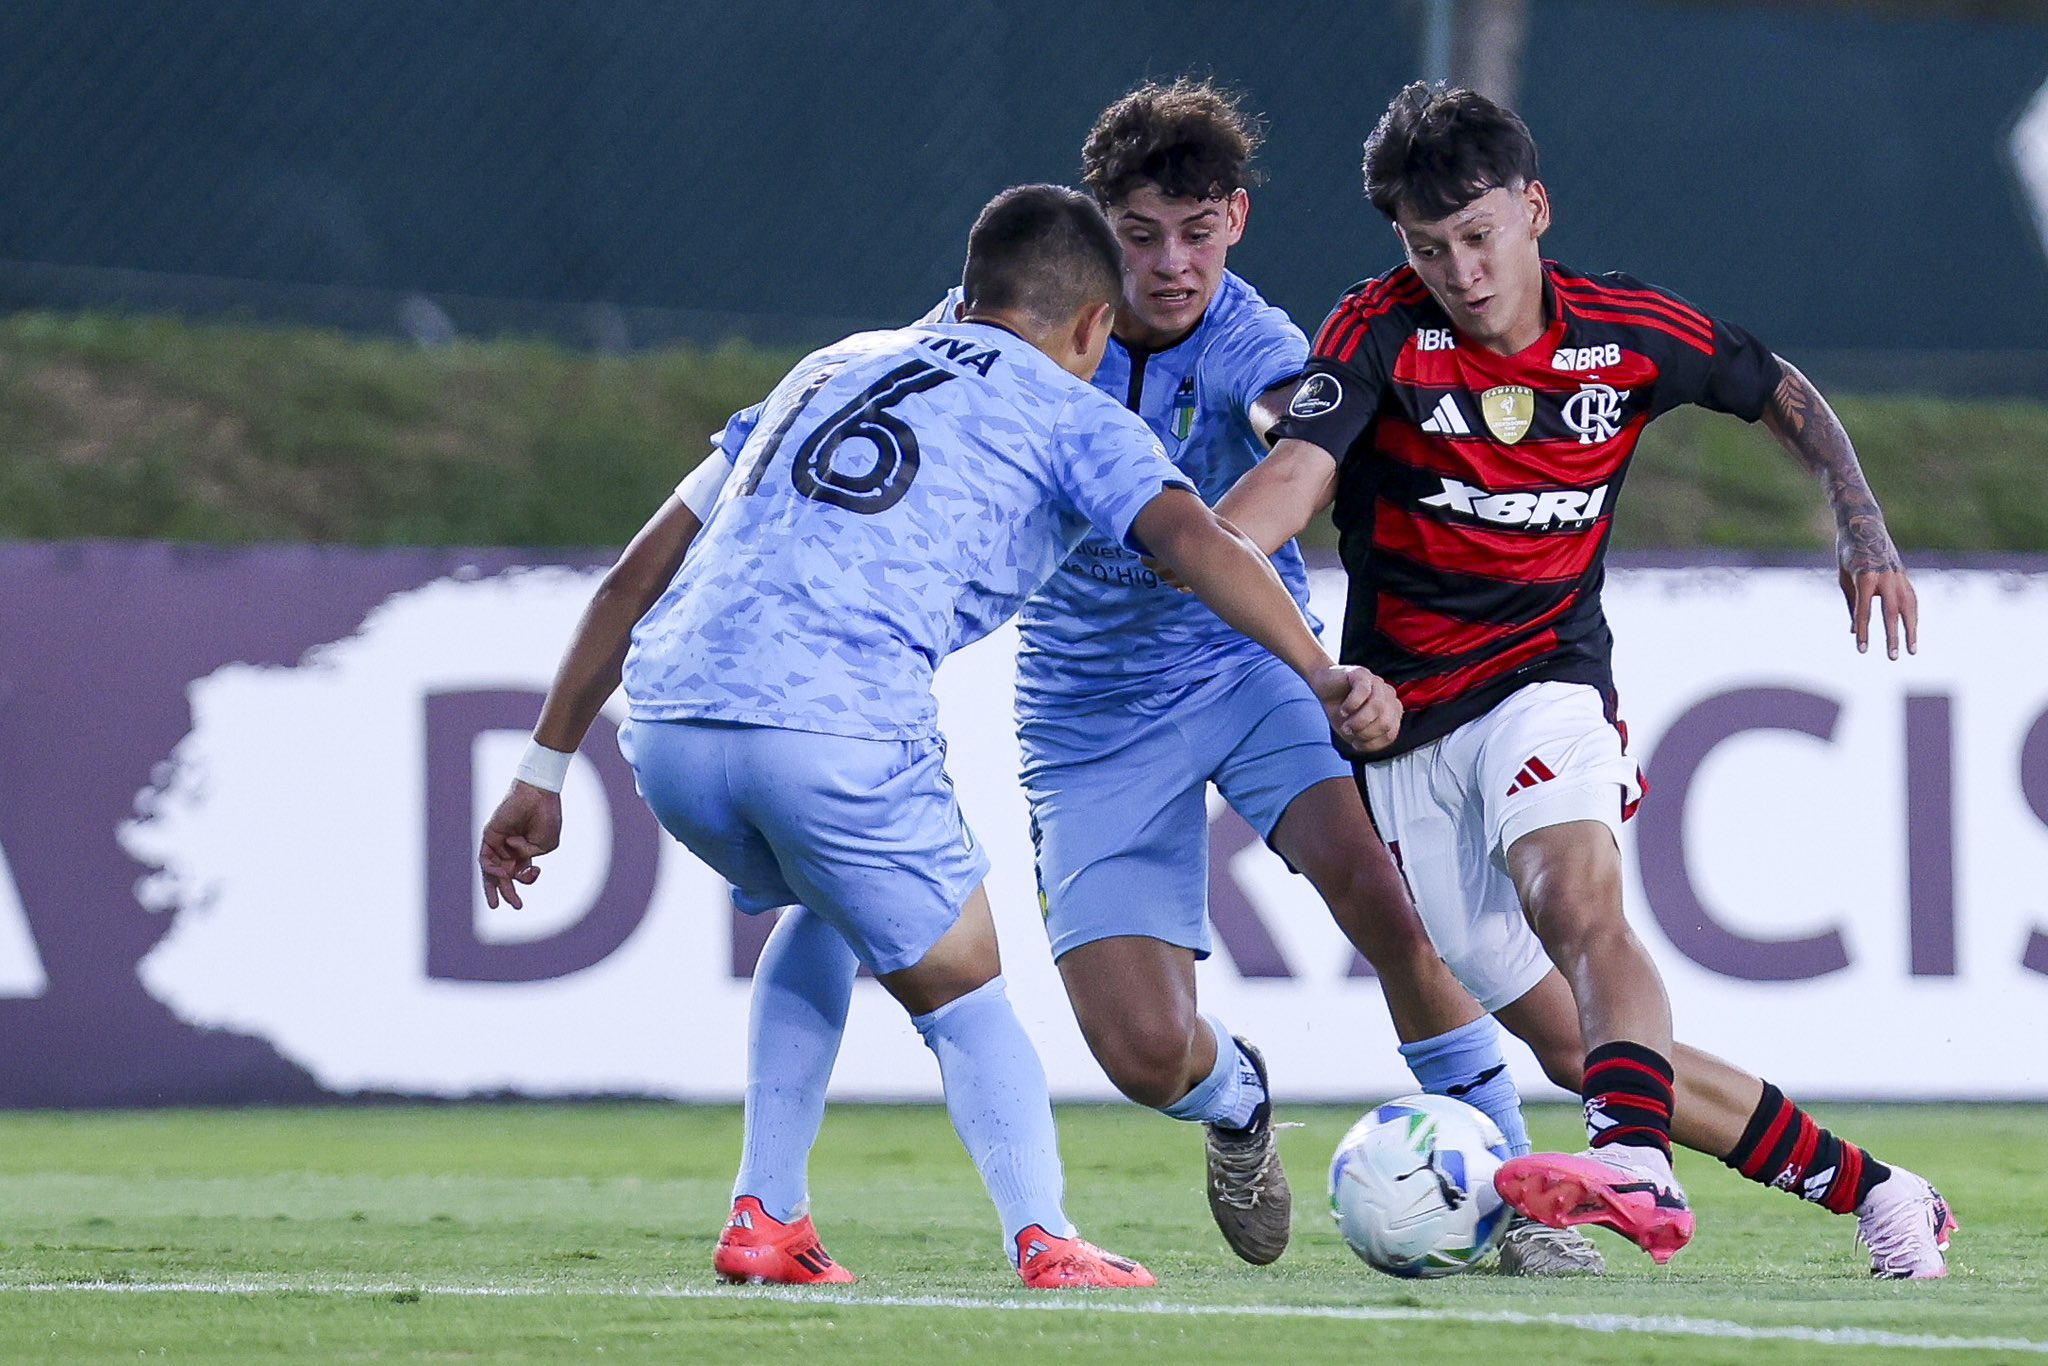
(1049,1263)
(757,1249)
(1628,1189)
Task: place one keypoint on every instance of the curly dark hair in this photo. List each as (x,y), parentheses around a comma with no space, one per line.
(1437,149)
(1192,139)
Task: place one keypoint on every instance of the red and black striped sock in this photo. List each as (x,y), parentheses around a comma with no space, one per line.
(1628,1097)
(1784,1149)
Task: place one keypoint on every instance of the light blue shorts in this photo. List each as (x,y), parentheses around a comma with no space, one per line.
(1119,813)
(864,832)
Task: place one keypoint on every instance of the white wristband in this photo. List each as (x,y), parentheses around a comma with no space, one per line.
(544,768)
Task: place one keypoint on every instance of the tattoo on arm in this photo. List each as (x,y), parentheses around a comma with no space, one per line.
(1807,427)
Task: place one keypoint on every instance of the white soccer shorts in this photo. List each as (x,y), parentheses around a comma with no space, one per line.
(1451,809)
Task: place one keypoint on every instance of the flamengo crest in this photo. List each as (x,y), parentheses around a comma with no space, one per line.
(1594,413)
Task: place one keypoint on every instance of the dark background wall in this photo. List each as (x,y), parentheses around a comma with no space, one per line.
(1836,179)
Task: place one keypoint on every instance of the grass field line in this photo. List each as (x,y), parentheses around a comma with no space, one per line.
(1674,1325)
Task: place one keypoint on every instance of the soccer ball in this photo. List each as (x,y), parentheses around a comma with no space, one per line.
(1411,1187)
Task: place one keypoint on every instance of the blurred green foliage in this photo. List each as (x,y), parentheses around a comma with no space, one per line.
(124,427)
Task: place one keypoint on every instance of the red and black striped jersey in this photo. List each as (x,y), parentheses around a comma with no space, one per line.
(1476,491)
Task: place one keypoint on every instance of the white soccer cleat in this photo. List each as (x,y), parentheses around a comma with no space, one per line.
(1905,1223)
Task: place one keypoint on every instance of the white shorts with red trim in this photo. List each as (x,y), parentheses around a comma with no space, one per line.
(1451,810)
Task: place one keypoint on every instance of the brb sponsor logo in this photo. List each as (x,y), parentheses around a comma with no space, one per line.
(1533,509)
(1586,357)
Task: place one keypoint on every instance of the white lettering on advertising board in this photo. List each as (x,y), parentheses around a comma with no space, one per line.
(1839,865)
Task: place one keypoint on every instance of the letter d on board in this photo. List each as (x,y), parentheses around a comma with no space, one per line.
(454,952)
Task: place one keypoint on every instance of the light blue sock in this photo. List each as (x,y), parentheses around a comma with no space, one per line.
(802,985)
(996,1095)
(1231,1094)
(1466,1064)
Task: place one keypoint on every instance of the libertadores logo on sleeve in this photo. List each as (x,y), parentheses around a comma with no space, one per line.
(1317,395)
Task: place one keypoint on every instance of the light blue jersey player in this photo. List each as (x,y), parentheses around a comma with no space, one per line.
(1133,698)
(901,495)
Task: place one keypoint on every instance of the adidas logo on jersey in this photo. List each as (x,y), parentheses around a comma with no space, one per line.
(1446,420)
(1549,507)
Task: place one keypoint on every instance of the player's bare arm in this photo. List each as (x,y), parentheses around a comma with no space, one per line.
(1264,414)
(528,822)
(1280,496)
(1228,571)
(1268,408)
(1871,570)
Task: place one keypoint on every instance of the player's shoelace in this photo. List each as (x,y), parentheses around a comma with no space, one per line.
(1902,1238)
(1243,1167)
(1534,1249)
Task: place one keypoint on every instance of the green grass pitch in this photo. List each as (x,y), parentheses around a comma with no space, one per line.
(544,1233)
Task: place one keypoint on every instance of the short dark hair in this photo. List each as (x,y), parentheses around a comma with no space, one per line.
(1042,250)
(1192,139)
(1437,149)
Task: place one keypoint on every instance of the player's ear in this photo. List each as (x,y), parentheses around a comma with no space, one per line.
(1237,211)
(1091,328)
(1537,200)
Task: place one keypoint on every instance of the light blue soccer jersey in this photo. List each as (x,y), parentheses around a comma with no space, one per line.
(1105,625)
(896,497)
(1105,628)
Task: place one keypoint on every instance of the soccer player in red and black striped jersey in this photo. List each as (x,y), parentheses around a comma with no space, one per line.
(1471,415)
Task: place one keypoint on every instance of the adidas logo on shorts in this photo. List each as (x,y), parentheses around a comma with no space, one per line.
(1533,772)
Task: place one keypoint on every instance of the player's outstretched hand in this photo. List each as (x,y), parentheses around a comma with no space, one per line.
(1361,705)
(527,824)
(1879,579)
